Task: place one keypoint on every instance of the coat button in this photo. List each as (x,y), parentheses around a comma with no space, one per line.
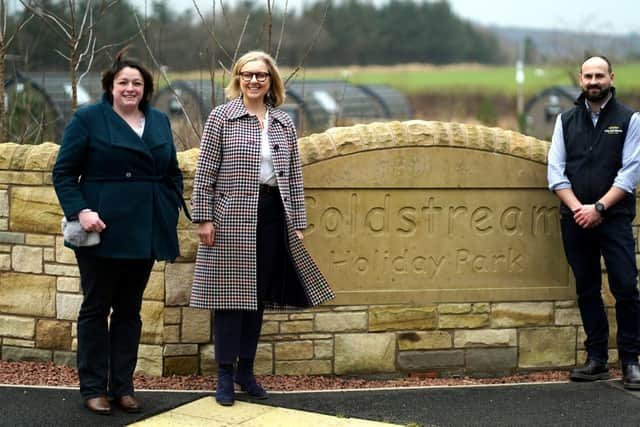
(276,147)
(127,175)
(285,198)
(281,173)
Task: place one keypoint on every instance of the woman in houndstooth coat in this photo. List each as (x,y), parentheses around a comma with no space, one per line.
(248,201)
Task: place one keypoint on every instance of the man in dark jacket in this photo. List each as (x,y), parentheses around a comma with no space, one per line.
(594,166)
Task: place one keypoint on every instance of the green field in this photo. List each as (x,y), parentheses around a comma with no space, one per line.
(413,79)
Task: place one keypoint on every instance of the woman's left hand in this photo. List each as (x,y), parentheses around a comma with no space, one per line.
(299,234)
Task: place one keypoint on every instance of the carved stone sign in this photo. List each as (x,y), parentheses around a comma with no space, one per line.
(434,222)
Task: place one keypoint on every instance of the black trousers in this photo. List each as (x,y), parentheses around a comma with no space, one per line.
(236,332)
(108,351)
(613,240)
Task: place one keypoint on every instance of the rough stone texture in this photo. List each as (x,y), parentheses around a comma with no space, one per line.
(207,361)
(65,358)
(5,262)
(150,359)
(565,304)
(27,259)
(294,350)
(4,203)
(49,254)
(340,322)
(171,334)
(180,350)
(568,316)
(35,210)
(429,340)
(459,321)
(39,240)
(53,335)
(152,315)
(17,327)
(68,284)
(22,178)
(172,315)
(26,354)
(14,238)
(15,342)
(547,347)
(323,349)
(506,315)
(301,316)
(64,255)
(491,361)
(181,365)
(263,364)
(420,361)
(178,279)
(270,328)
(296,327)
(6,249)
(27,294)
(68,306)
(364,353)
(402,318)
(188,241)
(303,367)
(4,224)
(61,270)
(196,325)
(454,308)
(486,338)
(155,287)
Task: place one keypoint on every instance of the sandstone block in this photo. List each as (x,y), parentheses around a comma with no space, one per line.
(150,360)
(455,321)
(64,255)
(27,259)
(65,358)
(4,224)
(296,327)
(181,365)
(28,294)
(61,270)
(428,340)
(155,287)
(53,334)
(178,279)
(16,342)
(171,334)
(68,284)
(454,308)
(4,203)
(5,262)
(565,304)
(152,315)
(188,241)
(547,347)
(68,306)
(17,327)
(301,316)
(402,318)
(486,338)
(35,210)
(568,316)
(172,315)
(263,364)
(40,240)
(364,353)
(340,322)
(482,307)
(270,328)
(420,361)
(12,238)
(303,367)
(49,254)
(196,325)
(294,350)
(323,349)
(506,315)
(22,354)
(180,350)
(491,361)
(208,365)
(21,178)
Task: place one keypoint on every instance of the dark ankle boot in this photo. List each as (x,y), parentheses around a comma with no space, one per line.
(247,381)
(224,390)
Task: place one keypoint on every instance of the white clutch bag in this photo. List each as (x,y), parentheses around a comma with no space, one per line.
(75,235)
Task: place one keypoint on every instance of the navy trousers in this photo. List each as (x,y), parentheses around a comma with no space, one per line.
(236,332)
(613,240)
(108,351)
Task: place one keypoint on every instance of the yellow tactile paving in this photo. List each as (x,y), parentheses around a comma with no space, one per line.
(206,412)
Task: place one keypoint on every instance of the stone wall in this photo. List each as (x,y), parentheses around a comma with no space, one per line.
(40,295)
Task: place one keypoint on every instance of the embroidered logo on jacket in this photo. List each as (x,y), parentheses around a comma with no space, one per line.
(613,130)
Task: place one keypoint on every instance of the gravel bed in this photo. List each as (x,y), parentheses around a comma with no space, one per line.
(48,374)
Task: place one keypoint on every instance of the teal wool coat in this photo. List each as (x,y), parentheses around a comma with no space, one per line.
(133,183)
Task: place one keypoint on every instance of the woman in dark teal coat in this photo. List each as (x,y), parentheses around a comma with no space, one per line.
(117,173)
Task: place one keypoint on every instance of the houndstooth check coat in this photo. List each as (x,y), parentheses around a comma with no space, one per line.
(226,190)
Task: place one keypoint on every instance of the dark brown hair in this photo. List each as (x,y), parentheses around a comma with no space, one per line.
(120,62)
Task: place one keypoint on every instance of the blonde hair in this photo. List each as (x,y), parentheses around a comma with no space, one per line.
(276,94)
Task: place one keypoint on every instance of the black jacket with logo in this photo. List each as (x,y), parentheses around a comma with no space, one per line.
(594,154)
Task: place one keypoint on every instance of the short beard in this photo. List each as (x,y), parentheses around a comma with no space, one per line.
(604,92)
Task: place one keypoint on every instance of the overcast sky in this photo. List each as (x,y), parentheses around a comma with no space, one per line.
(613,16)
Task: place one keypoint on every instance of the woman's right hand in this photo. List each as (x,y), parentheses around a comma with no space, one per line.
(90,221)
(206,233)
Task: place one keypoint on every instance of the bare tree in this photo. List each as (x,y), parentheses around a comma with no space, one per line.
(78,31)
(6,39)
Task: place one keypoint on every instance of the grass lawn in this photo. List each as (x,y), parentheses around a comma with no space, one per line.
(458,78)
